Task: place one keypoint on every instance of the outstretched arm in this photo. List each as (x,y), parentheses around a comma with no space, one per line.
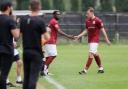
(81,34)
(105,35)
(64,34)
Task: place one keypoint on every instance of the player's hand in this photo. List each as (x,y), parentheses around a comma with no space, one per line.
(71,37)
(108,42)
(76,37)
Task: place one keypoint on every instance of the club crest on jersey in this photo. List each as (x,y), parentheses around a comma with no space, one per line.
(93,22)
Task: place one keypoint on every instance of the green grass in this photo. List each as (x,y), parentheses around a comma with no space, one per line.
(71,59)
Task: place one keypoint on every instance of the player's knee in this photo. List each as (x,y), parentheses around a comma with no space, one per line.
(96,54)
(90,55)
(19,63)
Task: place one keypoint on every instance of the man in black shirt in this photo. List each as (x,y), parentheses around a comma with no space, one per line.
(7,32)
(32,29)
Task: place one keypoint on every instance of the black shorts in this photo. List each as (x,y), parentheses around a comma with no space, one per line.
(16,58)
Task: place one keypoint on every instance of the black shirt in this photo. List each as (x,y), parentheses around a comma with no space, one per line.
(32,27)
(6,39)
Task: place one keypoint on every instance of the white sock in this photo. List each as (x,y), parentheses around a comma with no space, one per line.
(7,81)
(101,68)
(47,70)
(44,59)
(45,67)
(19,78)
(85,70)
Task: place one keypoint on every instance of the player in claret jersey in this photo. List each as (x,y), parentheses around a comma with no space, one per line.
(50,46)
(93,27)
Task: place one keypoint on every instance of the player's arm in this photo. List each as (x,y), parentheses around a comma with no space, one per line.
(81,34)
(46,36)
(14,29)
(15,33)
(105,35)
(63,33)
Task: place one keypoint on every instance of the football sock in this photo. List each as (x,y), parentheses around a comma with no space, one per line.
(89,62)
(49,60)
(98,61)
(7,81)
(19,78)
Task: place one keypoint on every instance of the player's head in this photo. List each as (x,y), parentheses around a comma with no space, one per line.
(6,6)
(56,15)
(35,5)
(90,12)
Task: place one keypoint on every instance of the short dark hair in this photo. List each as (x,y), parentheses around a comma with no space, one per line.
(34,4)
(91,9)
(55,12)
(4,5)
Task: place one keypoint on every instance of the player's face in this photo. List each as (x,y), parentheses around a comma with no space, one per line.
(58,15)
(89,14)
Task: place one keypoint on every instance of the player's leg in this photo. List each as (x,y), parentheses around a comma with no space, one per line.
(47,63)
(19,68)
(49,60)
(9,84)
(26,68)
(92,51)
(98,61)
(51,53)
(6,63)
(88,64)
(34,71)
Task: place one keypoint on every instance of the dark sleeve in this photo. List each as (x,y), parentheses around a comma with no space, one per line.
(12,24)
(21,23)
(43,27)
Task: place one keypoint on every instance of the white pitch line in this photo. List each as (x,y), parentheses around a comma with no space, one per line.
(52,81)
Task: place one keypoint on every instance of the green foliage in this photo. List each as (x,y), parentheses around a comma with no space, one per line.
(45,4)
(74,5)
(58,4)
(122,6)
(106,5)
(87,3)
(22,4)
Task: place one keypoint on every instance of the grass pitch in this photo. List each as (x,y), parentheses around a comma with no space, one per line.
(70,61)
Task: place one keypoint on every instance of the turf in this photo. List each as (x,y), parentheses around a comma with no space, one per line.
(71,59)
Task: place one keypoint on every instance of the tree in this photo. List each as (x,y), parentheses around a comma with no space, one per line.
(22,4)
(106,5)
(45,4)
(122,5)
(87,3)
(74,5)
(58,4)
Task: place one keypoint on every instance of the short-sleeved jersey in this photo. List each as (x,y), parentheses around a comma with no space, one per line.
(54,26)
(93,27)
(32,27)
(6,38)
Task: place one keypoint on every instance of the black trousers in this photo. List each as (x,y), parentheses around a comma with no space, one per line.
(6,61)
(32,65)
